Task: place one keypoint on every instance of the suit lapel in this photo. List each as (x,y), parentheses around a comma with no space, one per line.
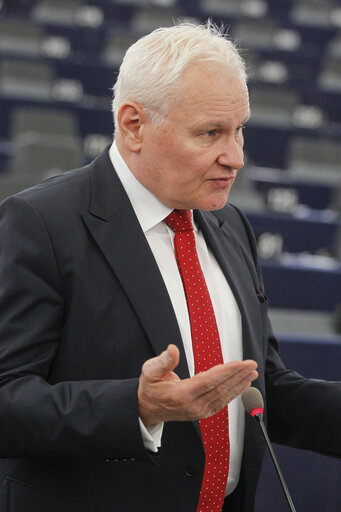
(113,224)
(228,253)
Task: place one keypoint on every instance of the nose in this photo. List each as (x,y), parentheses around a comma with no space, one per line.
(232,154)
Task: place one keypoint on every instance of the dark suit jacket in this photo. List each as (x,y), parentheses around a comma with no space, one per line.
(82,306)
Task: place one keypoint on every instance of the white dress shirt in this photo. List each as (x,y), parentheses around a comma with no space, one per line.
(150,213)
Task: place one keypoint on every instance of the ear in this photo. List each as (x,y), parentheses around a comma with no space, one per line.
(130,120)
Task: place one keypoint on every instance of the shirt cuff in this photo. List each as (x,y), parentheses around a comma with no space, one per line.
(151,436)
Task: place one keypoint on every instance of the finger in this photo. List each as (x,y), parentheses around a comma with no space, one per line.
(231,387)
(224,397)
(218,397)
(159,366)
(226,374)
(236,385)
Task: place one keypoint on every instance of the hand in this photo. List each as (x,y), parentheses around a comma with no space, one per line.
(162,396)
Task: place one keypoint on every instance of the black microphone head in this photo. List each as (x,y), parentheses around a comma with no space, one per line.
(253,401)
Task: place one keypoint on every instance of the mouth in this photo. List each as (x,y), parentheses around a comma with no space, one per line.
(223,182)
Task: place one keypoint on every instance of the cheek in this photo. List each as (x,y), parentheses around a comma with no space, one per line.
(183,162)
(202,165)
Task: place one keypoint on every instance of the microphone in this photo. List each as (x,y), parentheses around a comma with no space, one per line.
(254,405)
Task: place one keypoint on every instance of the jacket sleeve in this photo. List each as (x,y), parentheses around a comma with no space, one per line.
(91,419)
(303,413)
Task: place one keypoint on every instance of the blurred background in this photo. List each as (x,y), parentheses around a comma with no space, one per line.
(58,63)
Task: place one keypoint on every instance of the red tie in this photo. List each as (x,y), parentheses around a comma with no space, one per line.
(207,353)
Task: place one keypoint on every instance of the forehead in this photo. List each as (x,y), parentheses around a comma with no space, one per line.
(211,90)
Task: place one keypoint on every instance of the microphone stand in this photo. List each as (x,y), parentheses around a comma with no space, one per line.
(259,418)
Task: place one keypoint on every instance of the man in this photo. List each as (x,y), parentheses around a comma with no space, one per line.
(103,379)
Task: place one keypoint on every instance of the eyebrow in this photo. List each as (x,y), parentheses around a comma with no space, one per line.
(218,124)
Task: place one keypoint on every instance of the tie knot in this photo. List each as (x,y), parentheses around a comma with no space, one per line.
(179,221)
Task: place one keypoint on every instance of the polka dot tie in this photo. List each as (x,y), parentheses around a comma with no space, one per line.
(207,353)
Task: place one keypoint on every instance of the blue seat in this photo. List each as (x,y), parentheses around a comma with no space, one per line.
(267,181)
(296,285)
(314,233)
(90,119)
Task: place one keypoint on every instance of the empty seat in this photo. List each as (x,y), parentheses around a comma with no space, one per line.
(313,323)
(56,12)
(26,79)
(42,120)
(38,157)
(68,13)
(19,36)
(295,284)
(316,232)
(284,192)
(315,14)
(273,106)
(258,34)
(266,34)
(45,144)
(315,159)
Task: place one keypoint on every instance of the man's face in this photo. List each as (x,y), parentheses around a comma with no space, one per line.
(192,159)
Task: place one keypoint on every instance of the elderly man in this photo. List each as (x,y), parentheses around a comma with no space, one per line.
(133,313)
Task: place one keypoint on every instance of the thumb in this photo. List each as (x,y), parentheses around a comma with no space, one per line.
(159,366)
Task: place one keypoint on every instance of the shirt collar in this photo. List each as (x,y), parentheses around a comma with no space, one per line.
(148,209)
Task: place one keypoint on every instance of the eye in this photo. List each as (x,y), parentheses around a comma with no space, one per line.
(239,130)
(210,133)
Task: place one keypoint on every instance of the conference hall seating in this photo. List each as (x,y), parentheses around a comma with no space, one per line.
(58,62)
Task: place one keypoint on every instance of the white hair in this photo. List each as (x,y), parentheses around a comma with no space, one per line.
(152,67)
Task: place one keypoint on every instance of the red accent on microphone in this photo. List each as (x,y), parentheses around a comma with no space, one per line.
(258,410)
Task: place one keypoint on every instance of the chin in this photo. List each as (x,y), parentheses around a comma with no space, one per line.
(216,204)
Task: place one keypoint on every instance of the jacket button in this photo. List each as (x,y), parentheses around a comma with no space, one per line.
(190,471)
